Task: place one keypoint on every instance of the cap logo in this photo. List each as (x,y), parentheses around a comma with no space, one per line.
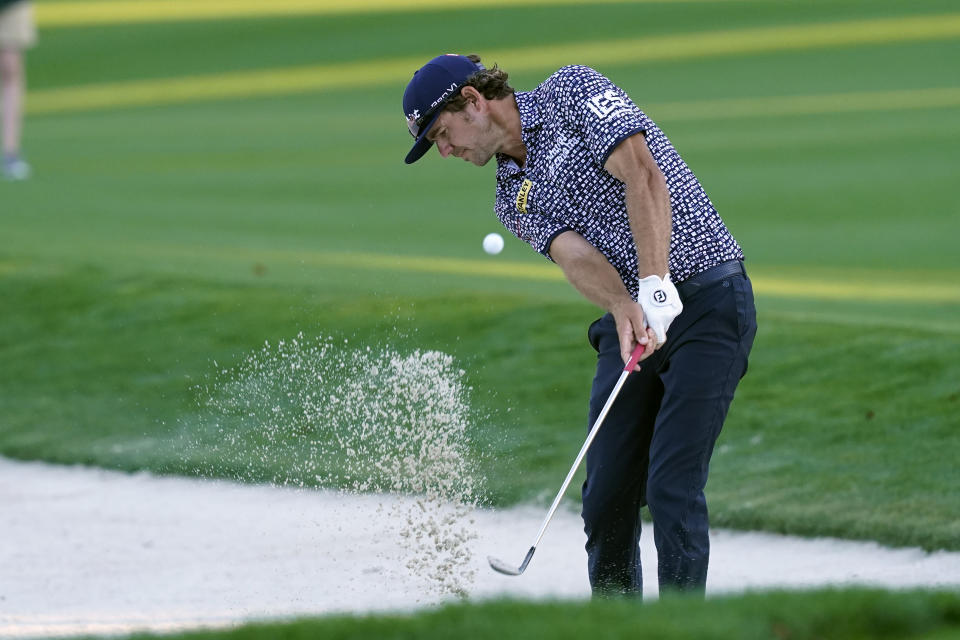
(415,120)
(443,96)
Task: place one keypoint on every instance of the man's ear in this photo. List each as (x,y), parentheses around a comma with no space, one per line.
(472,96)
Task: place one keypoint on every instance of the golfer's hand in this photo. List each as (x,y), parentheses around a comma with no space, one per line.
(661,304)
(632,330)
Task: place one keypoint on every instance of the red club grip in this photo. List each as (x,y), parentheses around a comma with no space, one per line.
(635,358)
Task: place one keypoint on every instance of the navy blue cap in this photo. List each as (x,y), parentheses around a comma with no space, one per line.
(428,91)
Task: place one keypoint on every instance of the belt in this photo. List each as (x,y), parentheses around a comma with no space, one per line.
(703,279)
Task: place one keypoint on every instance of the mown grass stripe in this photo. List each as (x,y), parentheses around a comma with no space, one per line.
(736,42)
(374,73)
(853,102)
(243,84)
(859,287)
(833,287)
(81,14)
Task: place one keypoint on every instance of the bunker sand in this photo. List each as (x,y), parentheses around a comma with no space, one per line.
(88,551)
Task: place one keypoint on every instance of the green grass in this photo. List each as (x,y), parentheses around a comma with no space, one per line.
(72,56)
(157,240)
(104,370)
(820,615)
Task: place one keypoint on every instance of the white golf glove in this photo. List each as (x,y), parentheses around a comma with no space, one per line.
(660,302)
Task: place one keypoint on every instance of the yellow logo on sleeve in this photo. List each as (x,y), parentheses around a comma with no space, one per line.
(522,196)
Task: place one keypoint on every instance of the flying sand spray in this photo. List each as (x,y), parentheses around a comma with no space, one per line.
(317,413)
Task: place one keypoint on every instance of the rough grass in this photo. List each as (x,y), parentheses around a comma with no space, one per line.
(106,371)
(818,615)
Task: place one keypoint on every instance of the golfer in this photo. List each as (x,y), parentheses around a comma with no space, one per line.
(589,181)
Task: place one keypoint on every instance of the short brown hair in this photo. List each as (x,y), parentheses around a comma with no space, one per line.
(491,83)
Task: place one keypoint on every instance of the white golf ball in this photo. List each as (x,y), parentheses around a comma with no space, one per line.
(493,243)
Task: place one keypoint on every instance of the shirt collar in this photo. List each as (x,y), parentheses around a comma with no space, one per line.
(530,122)
(530,118)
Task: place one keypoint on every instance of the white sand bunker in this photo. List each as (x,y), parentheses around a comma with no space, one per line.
(87,551)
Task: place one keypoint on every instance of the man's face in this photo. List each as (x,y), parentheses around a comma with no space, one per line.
(467,134)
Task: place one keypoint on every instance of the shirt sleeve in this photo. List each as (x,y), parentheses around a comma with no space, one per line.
(598,109)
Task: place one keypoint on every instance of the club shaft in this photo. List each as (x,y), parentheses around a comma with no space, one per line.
(583,452)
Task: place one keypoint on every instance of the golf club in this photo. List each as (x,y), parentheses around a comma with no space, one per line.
(507,569)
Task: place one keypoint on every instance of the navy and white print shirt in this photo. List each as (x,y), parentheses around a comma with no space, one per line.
(571,124)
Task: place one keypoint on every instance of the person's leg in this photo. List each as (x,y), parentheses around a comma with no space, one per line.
(703,365)
(11,94)
(17,34)
(616,467)
(11,113)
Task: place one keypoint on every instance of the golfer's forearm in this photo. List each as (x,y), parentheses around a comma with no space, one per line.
(648,207)
(648,203)
(589,271)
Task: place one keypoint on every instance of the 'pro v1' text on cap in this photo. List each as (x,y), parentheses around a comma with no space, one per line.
(428,91)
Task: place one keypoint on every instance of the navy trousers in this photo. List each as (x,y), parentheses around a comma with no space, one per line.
(655,445)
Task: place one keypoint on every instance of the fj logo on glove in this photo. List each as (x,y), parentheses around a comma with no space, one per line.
(660,296)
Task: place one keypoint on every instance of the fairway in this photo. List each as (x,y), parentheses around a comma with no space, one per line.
(213,176)
(311,79)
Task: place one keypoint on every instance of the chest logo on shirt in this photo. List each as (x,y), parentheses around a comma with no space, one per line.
(606,103)
(522,196)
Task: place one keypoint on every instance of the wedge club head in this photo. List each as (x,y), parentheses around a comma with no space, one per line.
(507,569)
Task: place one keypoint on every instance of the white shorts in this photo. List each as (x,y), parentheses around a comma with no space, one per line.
(17,29)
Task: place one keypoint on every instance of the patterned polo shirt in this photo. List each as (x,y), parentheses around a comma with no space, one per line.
(571,124)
